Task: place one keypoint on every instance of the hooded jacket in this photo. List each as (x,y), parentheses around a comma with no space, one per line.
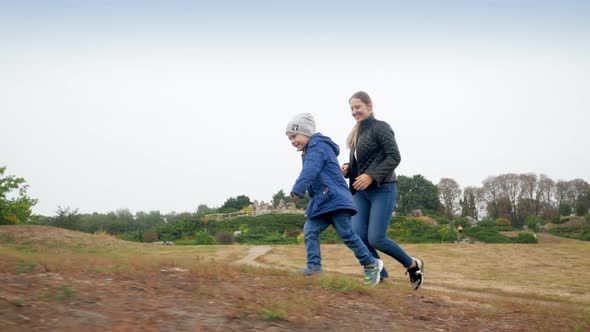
(377,154)
(322,178)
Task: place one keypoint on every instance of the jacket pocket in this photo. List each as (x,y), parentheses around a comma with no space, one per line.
(323,199)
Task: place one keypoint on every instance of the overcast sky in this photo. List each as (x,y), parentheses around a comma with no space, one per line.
(164,105)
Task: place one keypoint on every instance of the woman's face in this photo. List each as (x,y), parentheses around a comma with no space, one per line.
(360,110)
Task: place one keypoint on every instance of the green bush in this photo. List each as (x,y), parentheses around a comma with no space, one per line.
(526,237)
(564,209)
(266,238)
(561,220)
(461,221)
(329,236)
(533,222)
(203,237)
(486,234)
(486,223)
(441,220)
(581,209)
(411,230)
(572,232)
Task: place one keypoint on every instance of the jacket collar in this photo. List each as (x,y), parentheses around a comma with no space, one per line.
(368,120)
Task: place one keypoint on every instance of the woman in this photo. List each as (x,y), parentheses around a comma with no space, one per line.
(371,171)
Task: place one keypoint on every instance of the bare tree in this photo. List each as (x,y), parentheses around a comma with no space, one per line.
(528,187)
(449,193)
(510,188)
(562,192)
(490,195)
(469,202)
(579,190)
(545,192)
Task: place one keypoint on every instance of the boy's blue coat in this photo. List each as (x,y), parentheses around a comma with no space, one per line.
(322,178)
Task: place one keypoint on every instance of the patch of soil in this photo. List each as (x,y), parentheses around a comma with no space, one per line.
(178,300)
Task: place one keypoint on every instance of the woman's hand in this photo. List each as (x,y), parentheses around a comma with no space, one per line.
(344,169)
(362,182)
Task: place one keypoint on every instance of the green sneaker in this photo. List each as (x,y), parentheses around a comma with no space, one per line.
(373,273)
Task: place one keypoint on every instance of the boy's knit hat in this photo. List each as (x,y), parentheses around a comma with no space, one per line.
(302,124)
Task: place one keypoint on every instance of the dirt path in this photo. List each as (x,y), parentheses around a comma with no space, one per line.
(254,253)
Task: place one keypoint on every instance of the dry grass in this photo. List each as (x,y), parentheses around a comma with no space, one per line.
(48,272)
(553,270)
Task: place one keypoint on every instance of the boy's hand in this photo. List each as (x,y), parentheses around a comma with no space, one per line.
(344,169)
(362,182)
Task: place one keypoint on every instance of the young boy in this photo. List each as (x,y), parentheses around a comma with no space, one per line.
(331,201)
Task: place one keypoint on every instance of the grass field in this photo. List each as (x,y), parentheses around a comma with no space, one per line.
(54,279)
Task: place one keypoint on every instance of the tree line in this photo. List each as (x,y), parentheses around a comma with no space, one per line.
(511,196)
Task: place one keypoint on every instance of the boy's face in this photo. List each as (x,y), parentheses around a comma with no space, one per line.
(299,141)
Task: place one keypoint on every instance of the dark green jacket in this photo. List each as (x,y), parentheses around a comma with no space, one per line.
(377,154)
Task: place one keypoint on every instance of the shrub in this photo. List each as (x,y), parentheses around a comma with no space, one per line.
(581,209)
(486,223)
(486,234)
(329,236)
(461,221)
(411,230)
(203,237)
(441,220)
(225,238)
(149,236)
(503,224)
(561,220)
(533,222)
(564,209)
(526,237)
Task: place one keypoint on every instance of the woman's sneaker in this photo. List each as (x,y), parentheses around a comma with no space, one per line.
(373,273)
(416,273)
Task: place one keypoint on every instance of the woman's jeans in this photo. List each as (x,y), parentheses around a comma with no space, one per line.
(375,208)
(341,223)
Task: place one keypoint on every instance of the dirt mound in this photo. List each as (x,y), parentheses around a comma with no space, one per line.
(427,220)
(44,238)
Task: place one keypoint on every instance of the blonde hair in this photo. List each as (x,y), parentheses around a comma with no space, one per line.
(354,134)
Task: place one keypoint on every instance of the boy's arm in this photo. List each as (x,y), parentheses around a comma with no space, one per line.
(314,161)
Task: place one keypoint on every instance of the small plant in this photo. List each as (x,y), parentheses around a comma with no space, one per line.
(273,315)
(18,302)
(342,285)
(67,292)
(526,237)
(25,267)
(5,238)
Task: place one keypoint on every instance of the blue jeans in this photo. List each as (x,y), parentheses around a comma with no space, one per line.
(375,208)
(341,223)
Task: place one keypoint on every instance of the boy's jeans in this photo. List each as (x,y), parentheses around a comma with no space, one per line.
(341,223)
(375,208)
